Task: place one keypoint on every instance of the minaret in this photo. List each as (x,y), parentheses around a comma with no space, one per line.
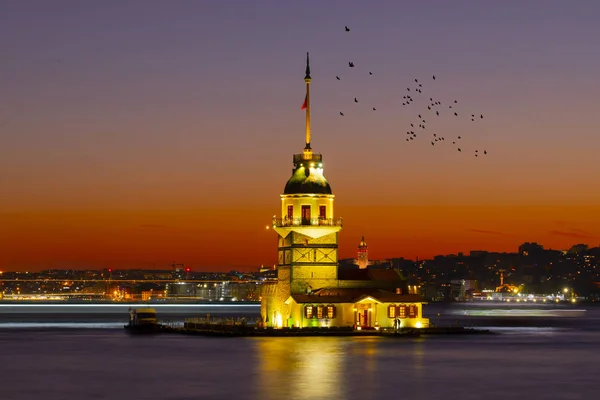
(363,254)
(307,228)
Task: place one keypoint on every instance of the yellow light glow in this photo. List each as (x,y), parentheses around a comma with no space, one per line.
(419,325)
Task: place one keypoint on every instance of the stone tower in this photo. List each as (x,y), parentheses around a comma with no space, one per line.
(363,254)
(307,228)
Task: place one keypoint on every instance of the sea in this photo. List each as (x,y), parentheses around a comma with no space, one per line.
(539,352)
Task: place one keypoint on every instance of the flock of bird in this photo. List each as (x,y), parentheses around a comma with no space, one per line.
(436,108)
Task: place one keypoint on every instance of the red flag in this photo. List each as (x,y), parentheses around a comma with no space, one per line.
(304,104)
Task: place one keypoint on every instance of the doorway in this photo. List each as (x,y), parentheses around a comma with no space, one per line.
(305,215)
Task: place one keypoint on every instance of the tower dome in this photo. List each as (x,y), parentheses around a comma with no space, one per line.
(307,178)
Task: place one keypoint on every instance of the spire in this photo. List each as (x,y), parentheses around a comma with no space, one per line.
(307,68)
(307,149)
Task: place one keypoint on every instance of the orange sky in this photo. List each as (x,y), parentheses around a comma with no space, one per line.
(227,238)
(135,142)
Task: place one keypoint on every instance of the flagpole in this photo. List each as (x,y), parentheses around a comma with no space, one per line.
(307,80)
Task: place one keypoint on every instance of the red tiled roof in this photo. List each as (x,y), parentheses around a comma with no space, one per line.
(335,295)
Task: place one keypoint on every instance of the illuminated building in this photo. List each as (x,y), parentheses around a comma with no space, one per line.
(363,254)
(311,289)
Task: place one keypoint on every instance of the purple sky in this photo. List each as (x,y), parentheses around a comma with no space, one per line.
(171,104)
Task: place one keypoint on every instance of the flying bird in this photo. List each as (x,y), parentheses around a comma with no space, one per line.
(370,73)
(355,100)
(341,113)
(337,77)
(347,29)
(434,77)
(374,109)
(351,64)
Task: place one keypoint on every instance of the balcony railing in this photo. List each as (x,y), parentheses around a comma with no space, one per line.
(283,222)
(303,157)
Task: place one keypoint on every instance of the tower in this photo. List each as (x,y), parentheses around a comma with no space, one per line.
(307,228)
(363,254)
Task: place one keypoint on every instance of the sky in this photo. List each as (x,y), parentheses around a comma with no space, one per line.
(135,134)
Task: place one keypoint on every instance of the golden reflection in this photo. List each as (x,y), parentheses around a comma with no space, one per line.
(300,367)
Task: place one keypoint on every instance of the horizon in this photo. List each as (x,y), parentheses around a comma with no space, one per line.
(142,133)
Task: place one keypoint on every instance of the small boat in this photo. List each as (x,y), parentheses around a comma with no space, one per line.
(143,320)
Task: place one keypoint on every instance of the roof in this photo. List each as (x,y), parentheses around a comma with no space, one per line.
(370,274)
(307,181)
(335,295)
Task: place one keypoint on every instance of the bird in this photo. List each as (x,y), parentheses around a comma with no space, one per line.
(455,101)
(420,116)
(459,137)
(408,89)
(347,29)
(433,144)
(437,113)
(370,73)
(459,149)
(412,124)
(485,152)
(341,113)
(374,109)
(429,107)
(351,64)
(434,77)
(456,114)
(355,100)
(481,116)
(337,77)
(416,80)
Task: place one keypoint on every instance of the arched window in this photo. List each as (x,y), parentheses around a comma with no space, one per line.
(392,312)
(331,311)
(308,312)
(402,311)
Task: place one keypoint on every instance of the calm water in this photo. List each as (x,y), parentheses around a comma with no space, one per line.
(97,360)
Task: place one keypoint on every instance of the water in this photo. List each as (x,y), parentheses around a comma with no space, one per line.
(97,360)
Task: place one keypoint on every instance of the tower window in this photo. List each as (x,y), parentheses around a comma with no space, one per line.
(290,212)
(305,215)
(322,212)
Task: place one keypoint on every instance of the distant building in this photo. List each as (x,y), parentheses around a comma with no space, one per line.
(363,254)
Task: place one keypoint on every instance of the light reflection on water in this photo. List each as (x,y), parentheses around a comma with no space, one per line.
(55,364)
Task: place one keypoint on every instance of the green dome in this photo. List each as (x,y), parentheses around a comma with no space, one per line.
(307,181)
